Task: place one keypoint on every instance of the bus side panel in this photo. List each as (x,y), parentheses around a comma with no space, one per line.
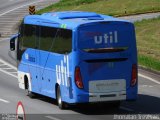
(132,92)
(28,68)
(63,74)
(46,77)
(56,69)
(80,96)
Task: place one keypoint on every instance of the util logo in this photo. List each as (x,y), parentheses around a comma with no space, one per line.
(62,72)
(111,37)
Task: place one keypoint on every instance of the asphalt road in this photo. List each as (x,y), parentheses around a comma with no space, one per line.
(12,11)
(6,5)
(44,108)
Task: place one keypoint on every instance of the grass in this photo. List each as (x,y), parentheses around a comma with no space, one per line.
(109,7)
(149,62)
(76,2)
(148,42)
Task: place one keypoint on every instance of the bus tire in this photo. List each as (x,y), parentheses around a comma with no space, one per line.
(60,103)
(28,92)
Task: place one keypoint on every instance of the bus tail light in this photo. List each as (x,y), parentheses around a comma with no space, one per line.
(78,78)
(134,75)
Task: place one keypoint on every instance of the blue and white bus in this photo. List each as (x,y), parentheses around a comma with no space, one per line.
(77,57)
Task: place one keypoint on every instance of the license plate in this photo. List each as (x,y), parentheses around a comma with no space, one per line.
(107,85)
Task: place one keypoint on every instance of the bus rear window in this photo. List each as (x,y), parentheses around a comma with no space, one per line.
(109,37)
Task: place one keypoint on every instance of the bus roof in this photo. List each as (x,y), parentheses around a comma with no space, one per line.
(68,19)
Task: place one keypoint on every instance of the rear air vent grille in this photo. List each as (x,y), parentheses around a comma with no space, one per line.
(110,95)
(106,60)
(106,50)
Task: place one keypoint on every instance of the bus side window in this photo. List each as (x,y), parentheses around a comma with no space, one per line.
(27,39)
(47,35)
(63,41)
(55,40)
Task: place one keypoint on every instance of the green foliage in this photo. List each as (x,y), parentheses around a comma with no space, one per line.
(75,2)
(109,7)
(149,62)
(148,42)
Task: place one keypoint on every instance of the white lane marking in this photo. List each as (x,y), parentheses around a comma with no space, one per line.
(6,68)
(147,86)
(19,7)
(149,78)
(127,109)
(144,85)
(8,73)
(13,72)
(8,64)
(52,118)
(5,101)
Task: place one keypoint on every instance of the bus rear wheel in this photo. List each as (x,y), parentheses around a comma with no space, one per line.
(28,92)
(60,103)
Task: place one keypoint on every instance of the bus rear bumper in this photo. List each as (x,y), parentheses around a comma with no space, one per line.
(104,97)
(101,97)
